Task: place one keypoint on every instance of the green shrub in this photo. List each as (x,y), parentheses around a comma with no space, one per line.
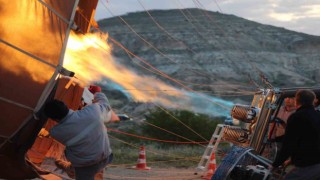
(126,147)
(195,127)
(182,156)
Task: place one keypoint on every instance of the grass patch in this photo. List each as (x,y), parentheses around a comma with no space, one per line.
(178,156)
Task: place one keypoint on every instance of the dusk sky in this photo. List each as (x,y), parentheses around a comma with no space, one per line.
(297,15)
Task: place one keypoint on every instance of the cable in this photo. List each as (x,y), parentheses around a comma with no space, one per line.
(163,29)
(163,74)
(172,133)
(253,65)
(178,91)
(215,1)
(129,52)
(195,27)
(132,54)
(16,103)
(185,125)
(154,152)
(163,109)
(194,19)
(168,77)
(154,139)
(143,67)
(151,45)
(118,165)
(200,24)
(28,54)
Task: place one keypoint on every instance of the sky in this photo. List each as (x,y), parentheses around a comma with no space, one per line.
(297,15)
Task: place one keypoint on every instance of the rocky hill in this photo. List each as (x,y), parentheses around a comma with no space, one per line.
(219,53)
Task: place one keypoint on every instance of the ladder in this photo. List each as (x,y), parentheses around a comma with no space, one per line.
(212,147)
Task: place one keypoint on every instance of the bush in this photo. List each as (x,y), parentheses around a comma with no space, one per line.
(126,147)
(176,156)
(203,125)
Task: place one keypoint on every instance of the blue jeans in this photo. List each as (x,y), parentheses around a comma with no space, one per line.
(88,172)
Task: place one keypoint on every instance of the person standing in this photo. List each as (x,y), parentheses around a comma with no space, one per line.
(278,127)
(317,104)
(301,140)
(83,133)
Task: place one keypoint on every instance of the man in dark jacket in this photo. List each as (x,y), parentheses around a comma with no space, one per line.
(317,104)
(302,139)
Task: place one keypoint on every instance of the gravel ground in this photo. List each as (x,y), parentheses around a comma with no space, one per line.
(125,173)
(121,173)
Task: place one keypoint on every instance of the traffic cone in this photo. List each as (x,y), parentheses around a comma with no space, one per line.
(211,167)
(142,162)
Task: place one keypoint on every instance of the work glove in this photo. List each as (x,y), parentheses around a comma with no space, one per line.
(43,133)
(93,89)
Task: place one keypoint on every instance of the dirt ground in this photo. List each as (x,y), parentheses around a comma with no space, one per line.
(121,173)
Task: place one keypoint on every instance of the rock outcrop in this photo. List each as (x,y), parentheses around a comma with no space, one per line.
(214,52)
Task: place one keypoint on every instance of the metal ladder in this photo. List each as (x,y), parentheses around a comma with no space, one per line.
(212,147)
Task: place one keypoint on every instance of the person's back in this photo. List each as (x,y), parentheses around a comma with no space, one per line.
(277,129)
(301,141)
(317,104)
(306,125)
(83,132)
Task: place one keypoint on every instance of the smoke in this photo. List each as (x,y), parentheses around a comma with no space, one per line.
(195,102)
(209,105)
(90,58)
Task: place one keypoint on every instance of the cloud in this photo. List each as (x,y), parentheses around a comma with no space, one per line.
(283,16)
(301,16)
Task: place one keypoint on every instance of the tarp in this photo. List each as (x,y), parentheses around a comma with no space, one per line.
(31,28)
(33,36)
(85,14)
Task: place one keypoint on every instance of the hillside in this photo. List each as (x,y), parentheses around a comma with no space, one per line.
(214,52)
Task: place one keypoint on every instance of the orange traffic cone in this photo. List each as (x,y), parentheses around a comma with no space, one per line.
(142,163)
(211,167)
